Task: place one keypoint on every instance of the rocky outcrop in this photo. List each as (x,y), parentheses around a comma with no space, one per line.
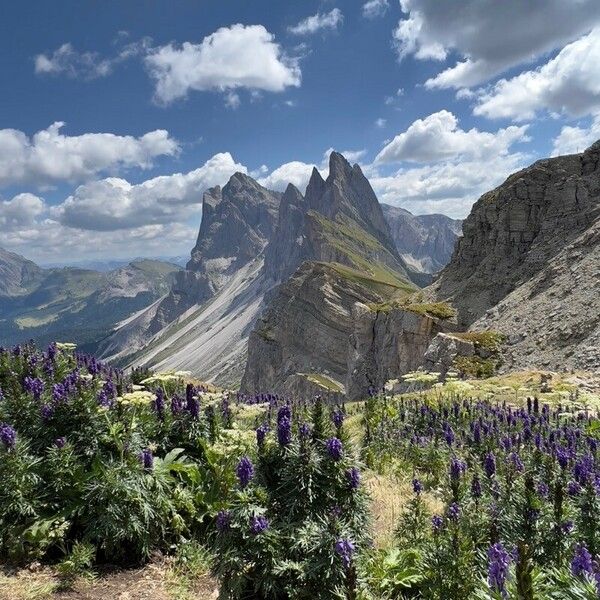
(528,264)
(17,274)
(306,328)
(385,344)
(425,242)
(443,351)
(515,231)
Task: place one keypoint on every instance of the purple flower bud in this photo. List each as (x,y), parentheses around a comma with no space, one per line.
(581,564)
(223,521)
(457,468)
(498,565)
(437,522)
(345,549)
(147,459)
(47,412)
(159,404)
(417,486)
(489,464)
(261,434)
(338,418)
(573,488)
(258,524)
(453,511)
(476,488)
(34,386)
(245,471)
(8,436)
(284,430)
(353,478)
(304,431)
(334,448)
(60,442)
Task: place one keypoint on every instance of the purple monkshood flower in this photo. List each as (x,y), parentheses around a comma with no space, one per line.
(223,521)
(449,435)
(304,431)
(60,442)
(59,392)
(245,471)
(284,430)
(516,462)
(338,418)
(176,404)
(334,448)
(453,511)
(159,404)
(437,522)
(345,549)
(457,468)
(8,436)
(573,488)
(581,564)
(47,412)
(52,350)
(567,527)
(261,434)
(147,459)
(34,386)
(258,524)
(489,464)
(417,486)
(192,404)
(353,478)
(543,490)
(498,565)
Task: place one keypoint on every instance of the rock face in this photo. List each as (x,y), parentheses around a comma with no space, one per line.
(203,322)
(425,242)
(338,246)
(443,350)
(17,274)
(528,263)
(385,344)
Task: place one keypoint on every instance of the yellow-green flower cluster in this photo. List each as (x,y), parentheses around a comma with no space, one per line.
(137,398)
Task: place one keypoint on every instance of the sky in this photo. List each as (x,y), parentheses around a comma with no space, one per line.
(116,116)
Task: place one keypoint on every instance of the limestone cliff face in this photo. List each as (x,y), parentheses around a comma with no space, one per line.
(528,264)
(424,241)
(385,344)
(514,231)
(17,274)
(306,330)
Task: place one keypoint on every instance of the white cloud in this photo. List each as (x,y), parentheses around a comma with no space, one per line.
(569,83)
(232,100)
(477,31)
(450,187)
(438,137)
(114,203)
(375,8)
(240,56)
(66,60)
(380,122)
(572,140)
(49,156)
(315,23)
(295,172)
(21,211)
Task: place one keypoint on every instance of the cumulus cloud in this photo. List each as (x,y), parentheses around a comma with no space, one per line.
(21,211)
(375,8)
(450,187)
(568,83)
(49,156)
(68,61)
(573,139)
(114,203)
(317,22)
(476,30)
(438,137)
(240,56)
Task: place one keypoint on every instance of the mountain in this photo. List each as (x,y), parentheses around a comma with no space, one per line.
(17,274)
(528,264)
(78,305)
(425,242)
(203,322)
(332,251)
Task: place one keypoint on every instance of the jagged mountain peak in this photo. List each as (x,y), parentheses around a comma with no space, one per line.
(338,166)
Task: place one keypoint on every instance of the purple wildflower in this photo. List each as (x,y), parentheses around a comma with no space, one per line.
(8,436)
(223,521)
(454,511)
(457,468)
(581,564)
(334,448)
(353,478)
(60,442)
(47,412)
(147,459)
(476,487)
(258,524)
(284,431)
(338,418)
(34,386)
(304,431)
(261,434)
(489,464)
(345,549)
(437,522)
(417,486)
(245,471)
(498,565)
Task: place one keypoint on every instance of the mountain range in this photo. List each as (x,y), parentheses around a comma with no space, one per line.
(332,292)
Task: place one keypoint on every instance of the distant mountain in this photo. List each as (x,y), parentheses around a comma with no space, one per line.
(72,304)
(425,242)
(17,274)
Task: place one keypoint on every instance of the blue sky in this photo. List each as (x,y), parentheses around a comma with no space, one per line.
(438,102)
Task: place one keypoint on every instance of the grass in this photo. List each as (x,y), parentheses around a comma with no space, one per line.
(380,282)
(323,381)
(437,310)
(487,340)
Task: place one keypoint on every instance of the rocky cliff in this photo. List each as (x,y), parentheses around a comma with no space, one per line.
(425,242)
(17,274)
(528,263)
